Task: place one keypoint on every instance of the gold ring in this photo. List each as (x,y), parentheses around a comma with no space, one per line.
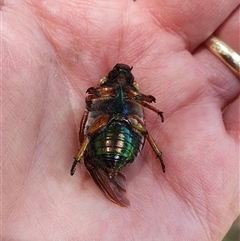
(227,55)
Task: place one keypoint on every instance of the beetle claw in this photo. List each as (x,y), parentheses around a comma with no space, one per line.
(151,99)
(93,91)
(160,113)
(159,156)
(73,168)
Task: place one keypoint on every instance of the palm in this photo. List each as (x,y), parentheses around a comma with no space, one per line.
(44,89)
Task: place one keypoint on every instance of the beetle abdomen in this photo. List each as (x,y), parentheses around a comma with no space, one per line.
(116,146)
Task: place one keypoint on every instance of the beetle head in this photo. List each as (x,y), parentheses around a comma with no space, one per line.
(120,74)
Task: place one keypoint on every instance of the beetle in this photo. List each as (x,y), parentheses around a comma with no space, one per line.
(113,131)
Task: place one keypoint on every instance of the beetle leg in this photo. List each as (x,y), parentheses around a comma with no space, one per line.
(82,141)
(90,98)
(96,126)
(160,113)
(82,125)
(93,91)
(138,125)
(96,93)
(140,97)
(144,100)
(79,155)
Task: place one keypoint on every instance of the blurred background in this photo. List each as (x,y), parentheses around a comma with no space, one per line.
(234,232)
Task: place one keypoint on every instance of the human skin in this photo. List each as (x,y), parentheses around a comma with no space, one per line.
(53,51)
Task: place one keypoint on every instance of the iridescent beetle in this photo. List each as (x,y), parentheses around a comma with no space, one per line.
(112,131)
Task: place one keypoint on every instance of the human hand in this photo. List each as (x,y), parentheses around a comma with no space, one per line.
(53,52)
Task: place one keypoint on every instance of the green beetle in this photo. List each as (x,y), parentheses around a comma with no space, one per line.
(113,132)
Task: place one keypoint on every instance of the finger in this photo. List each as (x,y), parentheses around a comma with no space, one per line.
(193,20)
(229,30)
(231,119)
(224,85)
